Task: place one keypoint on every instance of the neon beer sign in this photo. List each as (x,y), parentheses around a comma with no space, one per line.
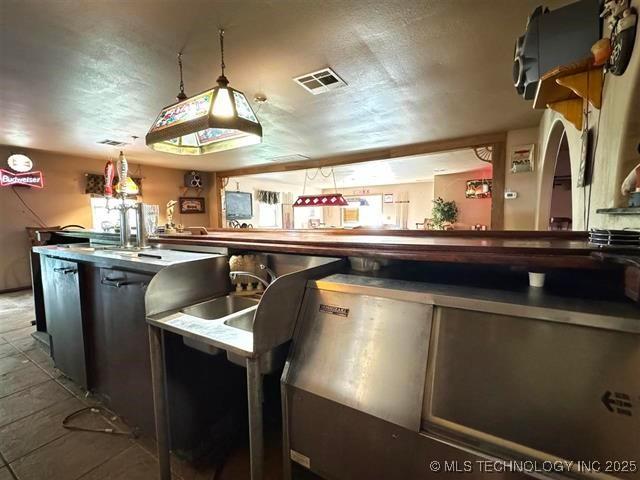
(21,173)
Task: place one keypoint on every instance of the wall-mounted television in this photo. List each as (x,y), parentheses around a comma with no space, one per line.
(238,205)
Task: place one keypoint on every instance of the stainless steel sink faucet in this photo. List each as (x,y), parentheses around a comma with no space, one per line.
(271,273)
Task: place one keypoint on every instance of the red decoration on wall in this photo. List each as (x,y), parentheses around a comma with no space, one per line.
(28,179)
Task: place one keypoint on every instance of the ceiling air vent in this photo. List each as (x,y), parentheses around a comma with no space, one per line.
(113,143)
(321,81)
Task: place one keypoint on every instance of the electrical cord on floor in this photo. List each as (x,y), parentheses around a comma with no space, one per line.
(96,409)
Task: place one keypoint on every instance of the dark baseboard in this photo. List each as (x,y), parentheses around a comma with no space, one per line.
(16,289)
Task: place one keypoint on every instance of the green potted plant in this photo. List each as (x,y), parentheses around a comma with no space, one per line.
(443,213)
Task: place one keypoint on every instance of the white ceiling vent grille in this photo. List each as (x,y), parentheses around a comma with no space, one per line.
(322,81)
(112,143)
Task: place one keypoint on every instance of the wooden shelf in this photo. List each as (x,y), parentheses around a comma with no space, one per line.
(565,89)
(569,109)
(587,85)
(620,211)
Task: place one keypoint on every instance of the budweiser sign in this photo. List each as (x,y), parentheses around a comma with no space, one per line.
(27,179)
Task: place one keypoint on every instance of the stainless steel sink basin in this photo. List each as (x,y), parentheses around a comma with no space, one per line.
(221,307)
(243,322)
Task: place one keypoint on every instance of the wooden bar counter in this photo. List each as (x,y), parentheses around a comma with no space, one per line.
(527,249)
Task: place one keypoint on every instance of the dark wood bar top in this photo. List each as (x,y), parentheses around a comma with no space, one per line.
(517,248)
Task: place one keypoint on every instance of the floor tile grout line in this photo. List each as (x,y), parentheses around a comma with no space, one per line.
(154,455)
(84,474)
(63,434)
(17,350)
(14,330)
(24,388)
(26,365)
(102,463)
(45,371)
(34,412)
(9,468)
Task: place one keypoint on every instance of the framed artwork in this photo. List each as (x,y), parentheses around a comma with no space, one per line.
(479,188)
(522,158)
(388,198)
(191,204)
(350,215)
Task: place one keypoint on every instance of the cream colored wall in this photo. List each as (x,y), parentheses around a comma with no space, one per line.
(419,195)
(616,154)
(62,201)
(519,213)
(471,211)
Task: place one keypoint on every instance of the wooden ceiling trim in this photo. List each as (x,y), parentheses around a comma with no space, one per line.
(423,148)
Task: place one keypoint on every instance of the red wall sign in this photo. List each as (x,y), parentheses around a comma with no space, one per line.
(28,179)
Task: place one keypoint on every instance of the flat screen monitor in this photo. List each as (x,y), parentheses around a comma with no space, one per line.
(239,205)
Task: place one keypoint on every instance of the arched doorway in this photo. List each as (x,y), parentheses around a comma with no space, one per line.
(560,212)
(555,187)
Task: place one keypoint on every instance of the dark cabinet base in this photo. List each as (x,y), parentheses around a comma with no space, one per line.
(119,346)
(64,316)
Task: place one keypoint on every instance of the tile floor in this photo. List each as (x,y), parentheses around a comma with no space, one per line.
(34,399)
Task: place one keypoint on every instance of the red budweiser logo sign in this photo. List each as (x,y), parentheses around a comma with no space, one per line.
(28,179)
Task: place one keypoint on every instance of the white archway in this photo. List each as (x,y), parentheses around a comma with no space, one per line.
(547,171)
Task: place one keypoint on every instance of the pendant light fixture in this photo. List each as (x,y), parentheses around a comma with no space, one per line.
(324,199)
(215,120)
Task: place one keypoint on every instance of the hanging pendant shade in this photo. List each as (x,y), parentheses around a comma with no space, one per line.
(323,200)
(215,120)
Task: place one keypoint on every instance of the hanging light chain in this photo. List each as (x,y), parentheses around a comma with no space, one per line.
(222,65)
(181,95)
(335,185)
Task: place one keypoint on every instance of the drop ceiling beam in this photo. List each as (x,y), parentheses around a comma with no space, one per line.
(423,148)
(497,141)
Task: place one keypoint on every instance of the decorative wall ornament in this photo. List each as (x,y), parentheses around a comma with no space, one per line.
(479,188)
(20,163)
(191,205)
(484,153)
(522,158)
(622,21)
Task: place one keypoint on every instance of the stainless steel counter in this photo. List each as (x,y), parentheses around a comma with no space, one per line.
(527,302)
(116,257)
(393,373)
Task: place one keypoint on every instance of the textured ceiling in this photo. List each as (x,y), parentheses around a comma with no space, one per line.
(77,72)
(419,168)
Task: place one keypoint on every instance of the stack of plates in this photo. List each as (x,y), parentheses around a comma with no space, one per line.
(615,238)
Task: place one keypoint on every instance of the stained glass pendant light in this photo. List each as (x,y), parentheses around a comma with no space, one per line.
(215,120)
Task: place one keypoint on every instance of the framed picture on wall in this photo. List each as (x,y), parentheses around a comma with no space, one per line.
(350,215)
(522,158)
(478,188)
(191,205)
(388,198)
